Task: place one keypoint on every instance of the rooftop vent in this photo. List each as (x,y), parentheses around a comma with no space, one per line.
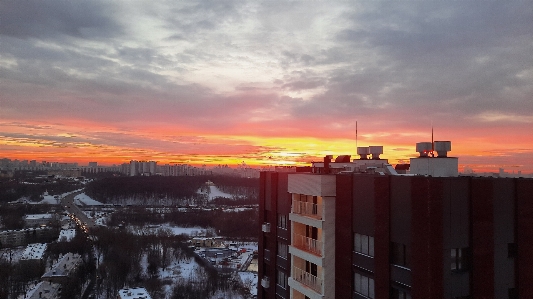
(423,148)
(363,152)
(442,148)
(375,151)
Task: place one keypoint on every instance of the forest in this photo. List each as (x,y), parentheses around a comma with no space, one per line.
(178,190)
(242,225)
(12,189)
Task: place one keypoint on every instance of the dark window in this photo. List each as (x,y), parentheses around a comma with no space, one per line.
(459,259)
(282,221)
(399,254)
(311,232)
(311,268)
(267,255)
(364,285)
(281,279)
(283,249)
(364,244)
(399,294)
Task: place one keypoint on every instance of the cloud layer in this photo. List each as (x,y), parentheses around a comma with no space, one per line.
(221,81)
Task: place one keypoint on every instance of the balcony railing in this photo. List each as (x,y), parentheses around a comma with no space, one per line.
(307,279)
(306,208)
(308,244)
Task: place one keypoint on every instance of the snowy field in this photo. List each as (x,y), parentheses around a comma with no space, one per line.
(83,199)
(214,192)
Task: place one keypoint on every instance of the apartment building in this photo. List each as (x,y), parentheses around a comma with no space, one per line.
(358,229)
(18,237)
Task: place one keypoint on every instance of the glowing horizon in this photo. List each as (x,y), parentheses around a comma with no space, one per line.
(278,83)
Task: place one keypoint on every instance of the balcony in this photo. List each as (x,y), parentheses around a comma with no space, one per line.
(306,209)
(307,279)
(265,282)
(265,227)
(308,244)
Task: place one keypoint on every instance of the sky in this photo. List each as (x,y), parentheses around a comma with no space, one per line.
(266,82)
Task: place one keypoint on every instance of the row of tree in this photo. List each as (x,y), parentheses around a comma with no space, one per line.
(176,189)
(238,224)
(12,189)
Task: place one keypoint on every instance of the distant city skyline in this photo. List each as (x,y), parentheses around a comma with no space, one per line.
(176,169)
(267,83)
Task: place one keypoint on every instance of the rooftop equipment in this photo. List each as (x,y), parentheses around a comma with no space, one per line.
(442,148)
(424,148)
(363,152)
(343,159)
(375,151)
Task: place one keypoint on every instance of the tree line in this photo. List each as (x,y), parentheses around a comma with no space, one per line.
(152,189)
(12,189)
(238,224)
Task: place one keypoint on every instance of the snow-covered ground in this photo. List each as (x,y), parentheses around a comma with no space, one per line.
(49,199)
(12,254)
(214,192)
(249,281)
(83,199)
(176,230)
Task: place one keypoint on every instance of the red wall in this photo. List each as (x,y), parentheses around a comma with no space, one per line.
(482,282)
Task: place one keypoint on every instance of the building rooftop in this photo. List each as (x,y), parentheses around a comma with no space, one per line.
(67,234)
(64,267)
(34,252)
(134,293)
(38,216)
(44,290)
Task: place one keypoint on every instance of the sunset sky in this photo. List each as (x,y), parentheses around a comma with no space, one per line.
(265,82)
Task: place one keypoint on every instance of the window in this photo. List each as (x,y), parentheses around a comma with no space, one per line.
(311,268)
(364,285)
(283,249)
(266,255)
(459,257)
(281,279)
(399,254)
(364,244)
(399,294)
(282,221)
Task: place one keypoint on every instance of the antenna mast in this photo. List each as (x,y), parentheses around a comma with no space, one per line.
(432,143)
(355,134)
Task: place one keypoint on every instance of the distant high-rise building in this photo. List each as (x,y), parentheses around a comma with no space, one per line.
(93,164)
(134,168)
(358,229)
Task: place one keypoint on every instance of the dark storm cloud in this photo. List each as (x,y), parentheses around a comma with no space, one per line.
(45,19)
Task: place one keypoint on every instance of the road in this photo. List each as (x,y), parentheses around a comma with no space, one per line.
(81,219)
(85,224)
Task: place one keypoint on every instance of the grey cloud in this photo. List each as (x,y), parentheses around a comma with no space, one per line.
(45,19)
(301,85)
(388,59)
(429,59)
